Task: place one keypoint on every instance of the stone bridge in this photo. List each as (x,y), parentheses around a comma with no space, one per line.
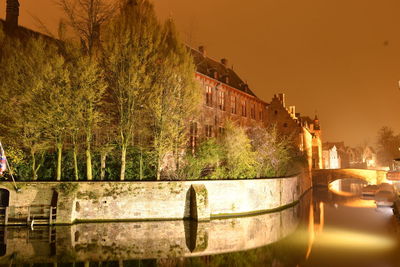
(324,177)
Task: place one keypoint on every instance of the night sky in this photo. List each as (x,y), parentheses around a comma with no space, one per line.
(339,58)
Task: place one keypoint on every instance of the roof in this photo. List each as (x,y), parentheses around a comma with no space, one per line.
(208,66)
(329,145)
(22,32)
(306,119)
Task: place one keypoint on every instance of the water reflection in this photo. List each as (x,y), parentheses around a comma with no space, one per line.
(97,242)
(348,187)
(327,228)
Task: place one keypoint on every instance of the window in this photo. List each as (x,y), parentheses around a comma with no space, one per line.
(233,104)
(276,112)
(260,114)
(253,111)
(221,100)
(221,130)
(193,135)
(285,125)
(208,130)
(215,74)
(208,95)
(244,111)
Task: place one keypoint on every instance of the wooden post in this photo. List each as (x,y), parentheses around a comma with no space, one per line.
(51,215)
(6,215)
(29,215)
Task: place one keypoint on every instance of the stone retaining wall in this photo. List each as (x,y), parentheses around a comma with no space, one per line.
(164,200)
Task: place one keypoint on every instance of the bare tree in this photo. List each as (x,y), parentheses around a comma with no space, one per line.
(86,17)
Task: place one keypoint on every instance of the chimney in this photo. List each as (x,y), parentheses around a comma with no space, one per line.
(282,99)
(224,62)
(12,13)
(202,50)
(292,110)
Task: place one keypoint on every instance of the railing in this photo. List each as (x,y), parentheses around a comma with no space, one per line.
(38,214)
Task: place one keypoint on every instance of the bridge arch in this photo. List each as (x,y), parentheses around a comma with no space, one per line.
(324,177)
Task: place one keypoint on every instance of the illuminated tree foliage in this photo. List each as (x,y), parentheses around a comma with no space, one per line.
(28,70)
(63,100)
(130,55)
(87,91)
(273,151)
(172,101)
(238,156)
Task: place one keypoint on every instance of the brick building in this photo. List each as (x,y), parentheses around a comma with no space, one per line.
(226,97)
(305,131)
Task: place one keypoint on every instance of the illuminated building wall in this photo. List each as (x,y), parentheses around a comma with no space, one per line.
(225,97)
(305,131)
(332,159)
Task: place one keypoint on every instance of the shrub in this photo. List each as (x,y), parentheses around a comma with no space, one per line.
(273,151)
(203,162)
(238,159)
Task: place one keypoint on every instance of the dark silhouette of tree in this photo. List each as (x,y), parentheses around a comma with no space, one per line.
(388,146)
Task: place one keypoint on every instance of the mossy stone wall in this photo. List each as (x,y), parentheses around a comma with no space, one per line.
(164,200)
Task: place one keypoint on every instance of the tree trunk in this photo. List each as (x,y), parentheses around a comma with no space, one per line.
(123,162)
(158,169)
(103,158)
(76,165)
(141,165)
(89,164)
(59,158)
(34,173)
(89,173)
(75,154)
(177,165)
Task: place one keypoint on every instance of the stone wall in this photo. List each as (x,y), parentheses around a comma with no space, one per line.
(106,201)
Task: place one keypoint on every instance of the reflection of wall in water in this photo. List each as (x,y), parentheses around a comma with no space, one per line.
(323,194)
(145,240)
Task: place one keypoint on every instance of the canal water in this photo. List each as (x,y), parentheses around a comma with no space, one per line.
(328,227)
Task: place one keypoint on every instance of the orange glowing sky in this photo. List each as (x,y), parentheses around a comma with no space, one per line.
(340,58)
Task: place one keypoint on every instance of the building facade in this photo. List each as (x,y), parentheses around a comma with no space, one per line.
(305,132)
(225,97)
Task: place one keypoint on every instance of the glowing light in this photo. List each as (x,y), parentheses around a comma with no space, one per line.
(339,238)
(311,231)
(360,203)
(335,186)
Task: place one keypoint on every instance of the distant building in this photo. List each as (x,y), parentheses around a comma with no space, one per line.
(335,155)
(331,158)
